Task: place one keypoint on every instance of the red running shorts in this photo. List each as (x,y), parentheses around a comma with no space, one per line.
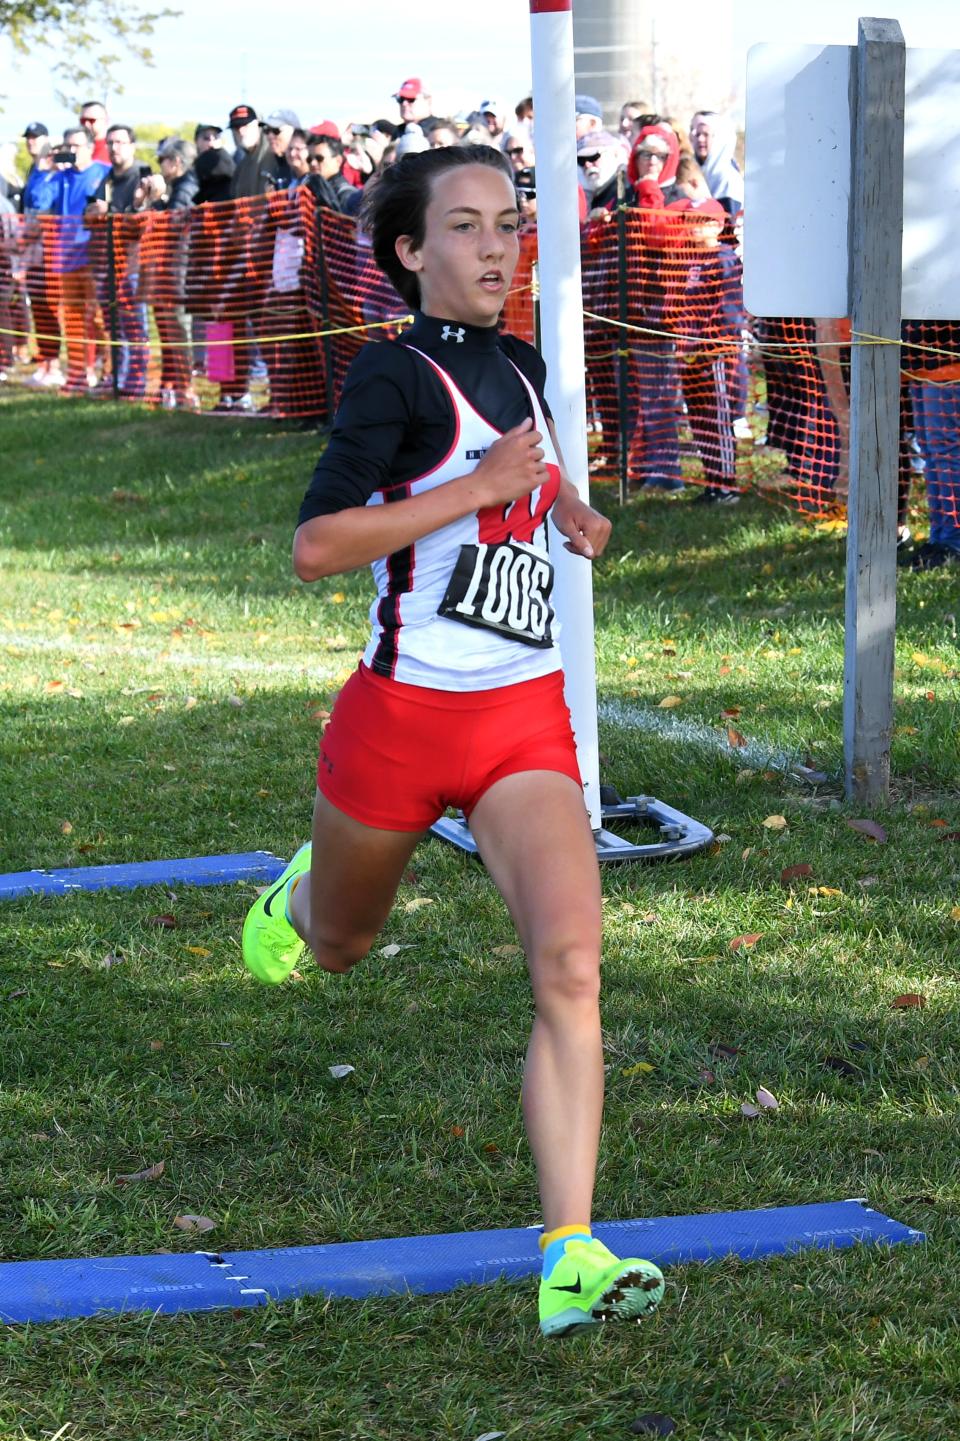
(395,756)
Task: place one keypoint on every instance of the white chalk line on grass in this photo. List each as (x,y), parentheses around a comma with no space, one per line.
(67,645)
(756,754)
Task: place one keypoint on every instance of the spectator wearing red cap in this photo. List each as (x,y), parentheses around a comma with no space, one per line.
(705,298)
(415,104)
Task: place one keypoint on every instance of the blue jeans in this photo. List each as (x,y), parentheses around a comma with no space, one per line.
(653,414)
(936,414)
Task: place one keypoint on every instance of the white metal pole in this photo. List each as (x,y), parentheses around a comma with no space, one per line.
(561,329)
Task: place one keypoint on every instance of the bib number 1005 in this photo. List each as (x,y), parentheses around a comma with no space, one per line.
(504,588)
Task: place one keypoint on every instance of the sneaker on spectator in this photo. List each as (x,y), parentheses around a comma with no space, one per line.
(662,482)
(245,402)
(717,495)
(168,398)
(223,405)
(741,428)
(931,555)
(52,376)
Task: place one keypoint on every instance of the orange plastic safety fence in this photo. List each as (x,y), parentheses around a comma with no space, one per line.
(258,306)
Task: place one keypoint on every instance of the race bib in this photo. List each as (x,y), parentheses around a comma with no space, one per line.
(504,588)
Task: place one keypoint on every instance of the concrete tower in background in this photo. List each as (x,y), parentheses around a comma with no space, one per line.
(673,61)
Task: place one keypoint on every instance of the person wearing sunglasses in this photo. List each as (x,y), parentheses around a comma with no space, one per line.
(518,148)
(278,128)
(93,117)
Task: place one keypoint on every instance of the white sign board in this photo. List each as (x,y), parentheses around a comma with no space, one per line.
(796,242)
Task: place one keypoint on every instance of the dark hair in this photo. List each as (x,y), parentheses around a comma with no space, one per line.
(301,135)
(334,145)
(387,127)
(397,204)
(78,130)
(128,128)
(98,103)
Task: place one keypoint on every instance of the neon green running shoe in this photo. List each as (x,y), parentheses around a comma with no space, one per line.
(589,1284)
(271,947)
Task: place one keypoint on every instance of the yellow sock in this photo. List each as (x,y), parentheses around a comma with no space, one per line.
(561,1232)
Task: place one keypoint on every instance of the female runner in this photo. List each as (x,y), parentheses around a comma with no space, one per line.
(441,471)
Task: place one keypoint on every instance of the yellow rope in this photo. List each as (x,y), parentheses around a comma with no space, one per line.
(210,344)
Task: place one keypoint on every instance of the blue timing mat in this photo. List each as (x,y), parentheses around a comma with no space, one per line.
(192,871)
(207,1280)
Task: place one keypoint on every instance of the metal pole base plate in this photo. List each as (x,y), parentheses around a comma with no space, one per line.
(677,835)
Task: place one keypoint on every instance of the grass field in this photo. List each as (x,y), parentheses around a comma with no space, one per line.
(163,679)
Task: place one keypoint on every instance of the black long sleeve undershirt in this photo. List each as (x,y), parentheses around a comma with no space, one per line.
(395,420)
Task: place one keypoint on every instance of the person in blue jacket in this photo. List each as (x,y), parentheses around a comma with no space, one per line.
(77,177)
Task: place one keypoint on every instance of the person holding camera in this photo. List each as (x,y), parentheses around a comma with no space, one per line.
(78,177)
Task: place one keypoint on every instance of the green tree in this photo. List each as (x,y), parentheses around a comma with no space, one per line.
(91,39)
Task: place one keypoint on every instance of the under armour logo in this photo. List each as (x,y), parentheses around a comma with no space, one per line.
(450,333)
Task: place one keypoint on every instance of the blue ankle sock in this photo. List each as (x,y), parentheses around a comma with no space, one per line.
(554,1251)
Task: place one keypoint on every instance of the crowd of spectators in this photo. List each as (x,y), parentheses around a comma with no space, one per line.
(681,184)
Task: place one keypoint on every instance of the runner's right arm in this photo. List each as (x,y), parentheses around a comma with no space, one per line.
(347,539)
(379,430)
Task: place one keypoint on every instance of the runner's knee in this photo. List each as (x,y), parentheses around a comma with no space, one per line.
(565,973)
(340,953)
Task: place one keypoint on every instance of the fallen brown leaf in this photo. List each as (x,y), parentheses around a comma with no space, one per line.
(193,1224)
(908,1000)
(722,1052)
(795,873)
(871,829)
(735,737)
(744,942)
(150,1173)
(167,921)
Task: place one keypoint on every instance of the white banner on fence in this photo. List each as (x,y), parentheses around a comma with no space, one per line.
(796,210)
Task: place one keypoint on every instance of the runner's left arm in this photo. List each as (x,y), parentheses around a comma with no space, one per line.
(585,530)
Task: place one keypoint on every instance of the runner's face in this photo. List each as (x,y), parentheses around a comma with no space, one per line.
(470,246)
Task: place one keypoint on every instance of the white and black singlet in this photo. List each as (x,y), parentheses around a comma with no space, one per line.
(468,606)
